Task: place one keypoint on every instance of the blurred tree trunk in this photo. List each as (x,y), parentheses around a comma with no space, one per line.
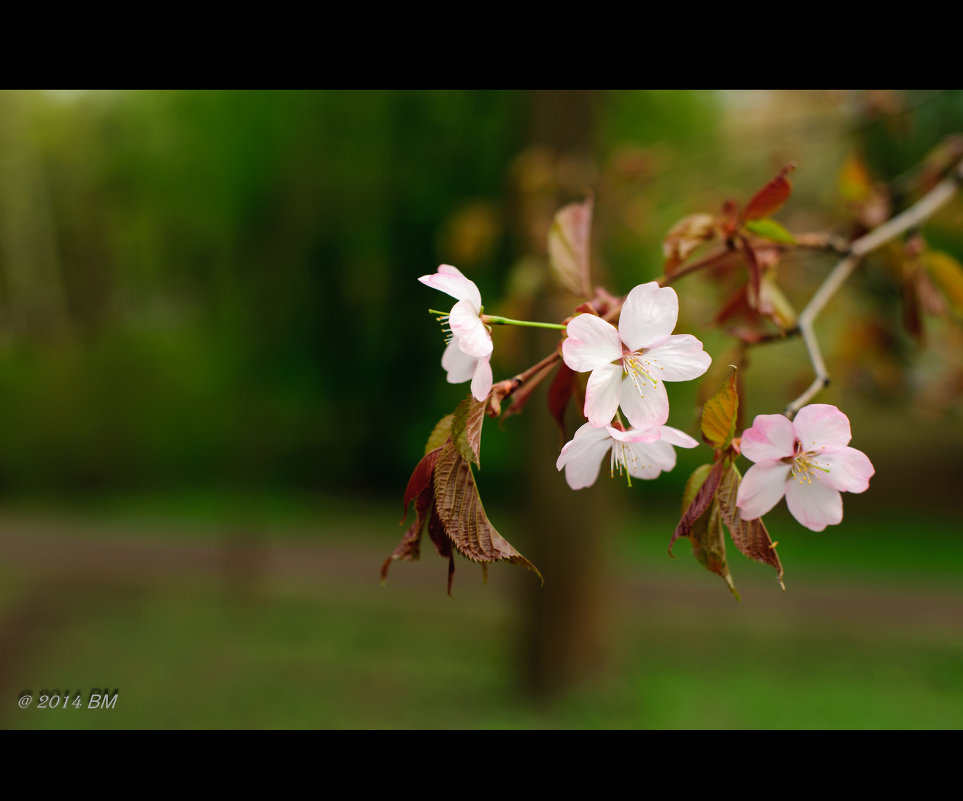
(33,284)
(563,636)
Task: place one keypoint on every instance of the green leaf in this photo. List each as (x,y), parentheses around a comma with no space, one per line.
(768,228)
(719,414)
(439,433)
(568,247)
(466,426)
(749,536)
(692,485)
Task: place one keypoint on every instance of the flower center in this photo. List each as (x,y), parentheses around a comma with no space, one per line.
(804,465)
(637,367)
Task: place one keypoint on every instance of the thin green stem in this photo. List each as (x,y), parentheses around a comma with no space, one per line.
(490,318)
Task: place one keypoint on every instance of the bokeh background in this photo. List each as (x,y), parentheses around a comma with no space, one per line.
(217,371)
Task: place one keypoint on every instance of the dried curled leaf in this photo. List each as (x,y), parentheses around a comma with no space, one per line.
(709,546)
(685,236)
(719,414)
(568,247)
(749,536)
(463,517)
(420,479)
(770,198)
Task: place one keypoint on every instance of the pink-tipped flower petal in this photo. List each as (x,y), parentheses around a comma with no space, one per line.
(649,314)
(590,343)
(849,470)
(820,426)
(481,382)
(772,436)
(678,358)
(451,281)
(762,488)
(645,404)
(470,332)
(815,505)
(458,364)
(602,394)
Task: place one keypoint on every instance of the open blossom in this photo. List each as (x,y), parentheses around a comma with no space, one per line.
(629,364)
(642,453)
(807,460)
(469,351)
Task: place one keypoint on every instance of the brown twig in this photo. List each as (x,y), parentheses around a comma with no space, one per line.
(858,248)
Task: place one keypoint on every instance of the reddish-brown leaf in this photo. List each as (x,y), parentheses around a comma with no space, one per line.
(700,501)
(568,247)
(709,545)
(559,393)
(420,478)
(463,517)
(410,546)
(749,536)
(466,427)
(755,272)
(436,531)
(685,236)
(730,218)
(771,197)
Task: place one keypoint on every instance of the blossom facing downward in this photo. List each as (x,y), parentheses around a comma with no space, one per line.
(640,453)
(469,351)
(808,460)
(629,364)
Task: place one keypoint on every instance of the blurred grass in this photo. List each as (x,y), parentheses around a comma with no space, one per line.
(867,636)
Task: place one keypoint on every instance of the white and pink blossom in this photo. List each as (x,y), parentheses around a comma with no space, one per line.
(629,364)
(808,460)
(469,351)
(640,453)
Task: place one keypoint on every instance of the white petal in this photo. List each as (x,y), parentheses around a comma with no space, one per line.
(649,314)
(458,364)
(820,426)
(762,488)
(649,459)
(582,457)
(590,343)
(679,358)
(675,437)
(772,436)
(481,382)
(635,434)
(602,394)
(650,408)
(849,469)
(450,280)
(815,505)
(473,338)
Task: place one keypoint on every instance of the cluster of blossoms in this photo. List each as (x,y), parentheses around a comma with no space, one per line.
(807,460)
(628,366)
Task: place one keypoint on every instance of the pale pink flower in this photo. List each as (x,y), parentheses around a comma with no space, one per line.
(630,363)
(642,453)
(469,351)
(807,460)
